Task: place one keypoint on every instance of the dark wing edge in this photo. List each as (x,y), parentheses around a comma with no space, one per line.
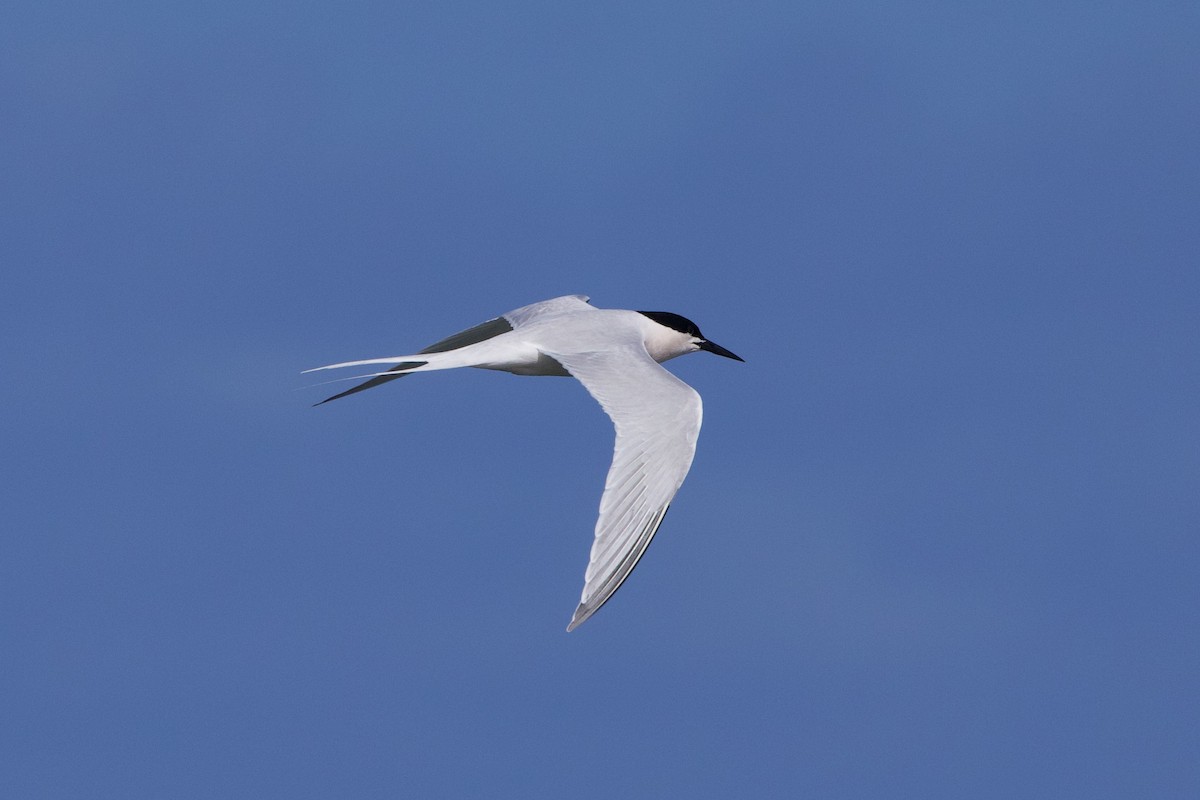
(605,592)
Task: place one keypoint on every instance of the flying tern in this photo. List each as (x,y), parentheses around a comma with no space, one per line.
(615,354)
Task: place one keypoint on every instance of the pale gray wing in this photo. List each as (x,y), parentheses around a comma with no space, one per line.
(558,305)
(657,419)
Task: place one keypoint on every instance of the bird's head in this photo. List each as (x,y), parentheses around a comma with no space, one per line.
(675,335)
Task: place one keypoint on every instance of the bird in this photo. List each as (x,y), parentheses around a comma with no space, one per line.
(617,356)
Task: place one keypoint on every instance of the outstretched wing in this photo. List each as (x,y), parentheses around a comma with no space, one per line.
(548,308)
(657,419)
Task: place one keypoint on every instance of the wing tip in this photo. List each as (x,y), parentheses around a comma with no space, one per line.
(593,603)
(581,616)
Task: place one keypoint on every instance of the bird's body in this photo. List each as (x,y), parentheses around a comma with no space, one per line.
(615,354)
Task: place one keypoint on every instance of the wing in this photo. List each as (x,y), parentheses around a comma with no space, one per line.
(657,419)
(546,308)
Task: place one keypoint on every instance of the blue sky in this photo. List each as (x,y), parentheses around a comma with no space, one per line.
(940,538)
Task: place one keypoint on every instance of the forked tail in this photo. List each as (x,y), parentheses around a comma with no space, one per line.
(398,371)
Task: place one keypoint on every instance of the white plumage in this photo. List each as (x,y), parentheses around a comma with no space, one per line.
(615,354)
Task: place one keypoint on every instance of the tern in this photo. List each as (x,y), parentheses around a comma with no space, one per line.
(615,354)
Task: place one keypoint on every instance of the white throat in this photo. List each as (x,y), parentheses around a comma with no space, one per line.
(663,343)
